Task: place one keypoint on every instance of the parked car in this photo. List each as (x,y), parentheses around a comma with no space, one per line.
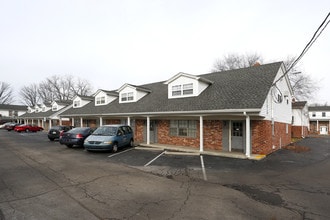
(11,126)
(75,136)
(110,137)
(27,128)
(3,126)
(55,131)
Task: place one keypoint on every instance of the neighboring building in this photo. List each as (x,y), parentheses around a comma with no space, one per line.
(300,119)
(231,111)
(319,117)
(11,112)
(46,115)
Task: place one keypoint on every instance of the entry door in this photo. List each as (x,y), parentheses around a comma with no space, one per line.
(237,136)
(323,130)
(153,132)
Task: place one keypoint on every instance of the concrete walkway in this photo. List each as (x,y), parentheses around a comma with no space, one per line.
(172,149)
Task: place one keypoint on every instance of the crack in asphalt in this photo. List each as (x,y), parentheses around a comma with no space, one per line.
(58,186)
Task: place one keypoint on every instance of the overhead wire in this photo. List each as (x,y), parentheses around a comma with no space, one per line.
(315,36)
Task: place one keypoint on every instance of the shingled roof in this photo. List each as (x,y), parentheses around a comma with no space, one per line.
(239,89)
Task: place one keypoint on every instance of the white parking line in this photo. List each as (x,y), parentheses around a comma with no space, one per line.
(154,159)
(203,168)
(115,154)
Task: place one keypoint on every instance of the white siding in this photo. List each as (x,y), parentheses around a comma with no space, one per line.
(300,117)
(198,87)
(319,115)
(279,112)
(108,98)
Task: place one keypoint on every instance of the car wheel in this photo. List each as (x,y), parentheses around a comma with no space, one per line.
(69,145)
(131,143)
(115,148)
(27,130)
(51,139)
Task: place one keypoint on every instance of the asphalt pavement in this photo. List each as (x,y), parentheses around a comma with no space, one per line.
(40,179)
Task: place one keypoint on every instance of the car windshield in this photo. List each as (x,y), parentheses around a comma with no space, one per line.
(105,131)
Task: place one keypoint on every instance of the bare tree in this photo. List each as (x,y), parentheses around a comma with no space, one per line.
(304,87)
(29,94)
(6,93)
(55,88)
(236,61)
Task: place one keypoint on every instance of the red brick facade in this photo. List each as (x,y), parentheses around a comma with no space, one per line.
(163,131)
(265,139)
(316,130)
(298,131)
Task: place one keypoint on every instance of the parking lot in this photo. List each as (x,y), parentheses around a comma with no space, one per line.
(42,179)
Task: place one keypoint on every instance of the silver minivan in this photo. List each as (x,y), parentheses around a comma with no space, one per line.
(110,138)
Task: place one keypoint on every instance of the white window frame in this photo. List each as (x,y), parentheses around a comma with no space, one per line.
(186,89)
(127,97)
(76,103)
(100,100)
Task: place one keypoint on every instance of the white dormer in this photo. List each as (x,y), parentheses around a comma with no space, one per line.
(103,97)
(80,101)
(30,109)
(37,108)
(58,105)
(130,93)
(44,107)
(186,85)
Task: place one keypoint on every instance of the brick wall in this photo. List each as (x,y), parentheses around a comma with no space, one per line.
(263,142)
(313,126)
(212,135)
(138,133)
(163,131)
(111,121)
(296,131)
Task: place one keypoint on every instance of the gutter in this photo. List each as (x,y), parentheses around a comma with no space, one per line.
(201,112)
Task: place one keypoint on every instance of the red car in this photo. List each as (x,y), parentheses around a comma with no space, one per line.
(27,128)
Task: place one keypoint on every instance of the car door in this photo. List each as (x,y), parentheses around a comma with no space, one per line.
(121,137)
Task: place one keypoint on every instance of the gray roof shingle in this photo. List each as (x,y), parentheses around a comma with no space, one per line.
(245,88)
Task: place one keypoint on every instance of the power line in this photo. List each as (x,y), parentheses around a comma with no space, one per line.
(316,35)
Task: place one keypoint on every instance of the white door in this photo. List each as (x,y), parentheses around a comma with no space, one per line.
(323,130)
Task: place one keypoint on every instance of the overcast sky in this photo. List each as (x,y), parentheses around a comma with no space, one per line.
(110,43)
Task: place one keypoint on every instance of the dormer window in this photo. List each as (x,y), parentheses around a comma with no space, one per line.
(100,100)
(127,96)
(186,85)
(184,89)
(76,103)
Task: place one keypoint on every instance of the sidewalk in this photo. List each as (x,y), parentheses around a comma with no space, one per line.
(172,149)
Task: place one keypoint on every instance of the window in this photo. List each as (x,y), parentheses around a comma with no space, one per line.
(128,96)
(237,129)
(176,90)
(100,100)
(54,107)
(313,114)
(184,89)
(323,114)
(188,89)
(76,103)
(184,128)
